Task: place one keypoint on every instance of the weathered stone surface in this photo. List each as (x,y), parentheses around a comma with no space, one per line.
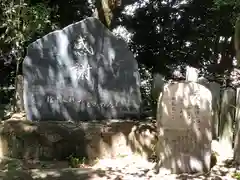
(227,115)
(215,89)
(82,72)
(203,81)
(157,85)
(184,128)
(59,140)
(191,74)
(237,128)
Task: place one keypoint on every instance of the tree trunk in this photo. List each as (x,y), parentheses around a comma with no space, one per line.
(237,129)
(105,10)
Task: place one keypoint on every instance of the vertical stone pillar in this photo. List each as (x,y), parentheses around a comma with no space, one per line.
(226,122)
(215,89)
(191,74)
(237,128)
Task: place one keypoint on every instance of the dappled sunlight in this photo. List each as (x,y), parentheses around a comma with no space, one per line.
(126,138)
(143,139)
(36,173)
(128,167)
(79,73)
(3,148)
(226,122)
(184,128)
(119,150)
(93,140)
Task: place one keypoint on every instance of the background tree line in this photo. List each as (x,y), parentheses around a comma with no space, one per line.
(164,35)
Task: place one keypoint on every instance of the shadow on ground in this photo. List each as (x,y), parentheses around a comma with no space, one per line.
(12,169)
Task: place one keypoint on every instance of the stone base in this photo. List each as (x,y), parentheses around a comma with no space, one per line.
(181,151)
(59,140)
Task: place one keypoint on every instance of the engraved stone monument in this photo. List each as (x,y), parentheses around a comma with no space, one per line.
(184,128)
(82,72)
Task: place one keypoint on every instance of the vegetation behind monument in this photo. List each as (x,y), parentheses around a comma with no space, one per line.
(165,36)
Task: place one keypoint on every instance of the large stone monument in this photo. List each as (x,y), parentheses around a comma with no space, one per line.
(82,72)
(184,128)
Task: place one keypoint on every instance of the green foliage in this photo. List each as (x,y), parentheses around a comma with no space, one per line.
(233,6)
(74,162)
(65,12)
(236,175)
(166,35)
(171,35)
(233,3)
(19,22)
